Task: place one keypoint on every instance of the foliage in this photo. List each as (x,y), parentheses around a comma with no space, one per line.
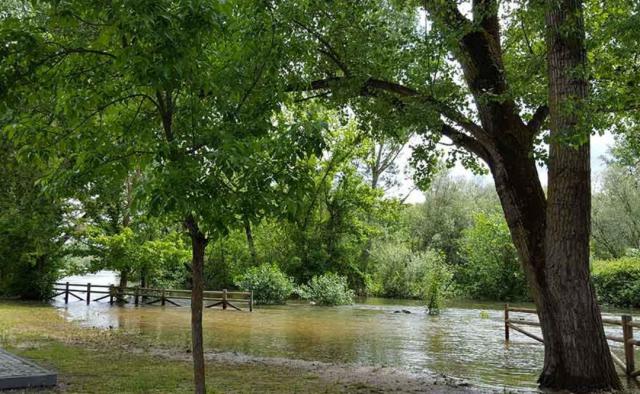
(327,289)
(134,113)
(398,272)
(402,273)
(268,283)
(330,226)
(616,207)
(436,282)
(32,229)
(439,221)
(491,269)
(159,260)
(617,282)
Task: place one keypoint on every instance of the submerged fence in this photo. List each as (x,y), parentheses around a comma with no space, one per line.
(148,296)
(627,339)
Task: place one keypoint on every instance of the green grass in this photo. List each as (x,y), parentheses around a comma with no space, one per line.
(112,361)
(92,371)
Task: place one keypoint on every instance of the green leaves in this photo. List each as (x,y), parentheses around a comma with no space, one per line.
(328,289)
(492,270)
(617,282)
(183,92)
(268,283)
(33,228)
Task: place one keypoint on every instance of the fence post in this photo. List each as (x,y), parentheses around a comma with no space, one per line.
(66,293)
(112,290)
(251,302)
(162,299)
(506,322)
(88,293)
(627,335)
(224,298)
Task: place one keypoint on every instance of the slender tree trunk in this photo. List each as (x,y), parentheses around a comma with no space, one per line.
(144,277)
(577,355)
(124,280)
(144,280)
(198,243)
(250,243)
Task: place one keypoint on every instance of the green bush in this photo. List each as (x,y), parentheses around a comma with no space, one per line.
(396,271)
(436,281)
(617,282)
(400,273)
(327,289)
(268,283)
(491,269)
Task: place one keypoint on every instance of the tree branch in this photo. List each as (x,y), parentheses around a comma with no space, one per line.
(404,91)
(538,118)
(329,52)
(67,50)
(467,142)
(485,13)
(448,13)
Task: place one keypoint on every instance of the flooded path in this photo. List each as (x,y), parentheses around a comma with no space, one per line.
(466,341)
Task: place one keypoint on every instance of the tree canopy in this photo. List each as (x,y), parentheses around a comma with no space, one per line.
(218,118)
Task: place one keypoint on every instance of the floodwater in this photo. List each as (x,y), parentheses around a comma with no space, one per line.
(465,341)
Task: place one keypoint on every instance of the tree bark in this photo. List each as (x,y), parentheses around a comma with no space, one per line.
(198,244)
(124,280)
(250,244)
(577,355)
(144,277)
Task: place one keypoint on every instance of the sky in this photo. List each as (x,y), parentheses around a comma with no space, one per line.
(599,149)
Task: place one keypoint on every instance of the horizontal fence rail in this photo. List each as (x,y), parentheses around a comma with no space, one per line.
(149,296)
(627,339)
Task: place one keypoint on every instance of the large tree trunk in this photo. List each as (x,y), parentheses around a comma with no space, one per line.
(198,244)
(554,254)
(576,351)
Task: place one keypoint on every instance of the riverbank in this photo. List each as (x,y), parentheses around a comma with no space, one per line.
(95,360)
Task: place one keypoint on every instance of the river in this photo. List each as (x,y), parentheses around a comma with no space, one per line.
(465,341)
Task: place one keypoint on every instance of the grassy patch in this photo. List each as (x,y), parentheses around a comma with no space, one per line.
(112,361)
(92,371)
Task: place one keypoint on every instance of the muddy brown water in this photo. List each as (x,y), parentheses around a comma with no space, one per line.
(465,341)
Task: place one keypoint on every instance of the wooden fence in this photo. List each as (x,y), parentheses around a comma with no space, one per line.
(148,296)
(627,339)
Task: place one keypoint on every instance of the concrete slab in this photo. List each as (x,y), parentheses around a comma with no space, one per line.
(18,373)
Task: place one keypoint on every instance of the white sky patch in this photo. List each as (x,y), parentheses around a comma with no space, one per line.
(600,146)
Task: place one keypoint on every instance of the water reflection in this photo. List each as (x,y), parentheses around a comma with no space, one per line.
(461,342)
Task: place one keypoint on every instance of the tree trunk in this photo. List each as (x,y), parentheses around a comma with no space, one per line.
(199,243)
(577,355)
(144,277)
(124,280)
(576,352)
(250,243)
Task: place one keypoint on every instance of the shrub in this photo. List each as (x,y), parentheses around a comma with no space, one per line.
(617,282)
(327,289)
(436,280)
(401,273)
(396,271)
(491,269)
(268,283)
